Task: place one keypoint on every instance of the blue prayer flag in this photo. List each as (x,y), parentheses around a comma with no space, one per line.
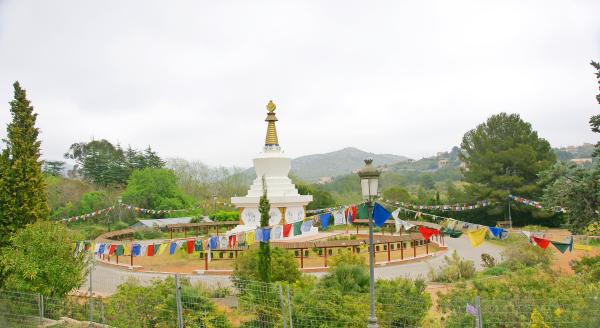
(172,248)
(324,218)
(266,235)
(136,250)
(214,242)
(380,215)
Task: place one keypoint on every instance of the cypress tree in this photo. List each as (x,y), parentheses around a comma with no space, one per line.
(264,252)
(23,195)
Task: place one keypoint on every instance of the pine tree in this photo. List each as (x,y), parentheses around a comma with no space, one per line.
(264,253)
(22,187)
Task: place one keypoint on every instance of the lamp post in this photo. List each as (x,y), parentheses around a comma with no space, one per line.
(369,182)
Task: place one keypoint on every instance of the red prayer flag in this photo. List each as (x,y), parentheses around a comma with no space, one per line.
(190,246)
(232,241)
(543,243)
(427,232)
(286,229)
(150,251)
(112,249)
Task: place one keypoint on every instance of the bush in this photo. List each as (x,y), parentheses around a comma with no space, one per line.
(347,257)
(144,234)
(40,259)
(488,260)
(283,264)
(134,305)
(523,254)
(347,278)
(496,271)
(222,216)
(404,302)
(455,268)
(589,267)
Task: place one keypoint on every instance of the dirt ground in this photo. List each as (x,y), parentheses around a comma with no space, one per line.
(561,261)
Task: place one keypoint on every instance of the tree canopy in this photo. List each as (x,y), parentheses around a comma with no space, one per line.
(105,164)
(155,188)
(40,259)
(504,155)
(23,196)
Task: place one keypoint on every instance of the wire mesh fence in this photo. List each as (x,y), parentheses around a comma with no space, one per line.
(178,302)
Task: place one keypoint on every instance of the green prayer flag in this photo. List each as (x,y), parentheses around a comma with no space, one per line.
(198,245)
(362,211)
(119,251)
(562,247)
(297,228)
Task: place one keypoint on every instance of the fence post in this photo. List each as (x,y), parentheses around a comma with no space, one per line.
(41,306)
(178,299)
(282,307)
(287,287)
(91,299)
(479,319)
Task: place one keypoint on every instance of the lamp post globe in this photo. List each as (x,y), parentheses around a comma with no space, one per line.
(369,182)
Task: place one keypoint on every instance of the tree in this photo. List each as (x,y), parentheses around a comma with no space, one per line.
(155,188)
(40,259)
(321,198)
(55,168)
(397,194)
(575,188)
(283,263)
(595,120)
(23,196)
(427,182)
(264,252)
(504,155)
(105,164)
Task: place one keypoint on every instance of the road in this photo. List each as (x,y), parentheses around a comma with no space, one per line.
(106,279)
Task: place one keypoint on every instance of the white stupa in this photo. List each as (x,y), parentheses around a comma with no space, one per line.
(287,205)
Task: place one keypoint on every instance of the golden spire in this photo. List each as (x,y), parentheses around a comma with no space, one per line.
(271,139)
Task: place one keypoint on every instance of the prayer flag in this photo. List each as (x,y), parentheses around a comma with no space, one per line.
(223,242)
(582,247)
(286,229)
(362,212)
(119,250)
(190,246)
(276,232)
(172,248)
(232,241)
(380,215)
(250,239)
(427,232)
(297,228)
(307,225)
(543,243)
(324,218)
(112,249)
(477,237)
(135,251)
(258,235)
(351,214)
(562,247)
(498,232)
(127,250)
(198,245)
(266,234)
(339,217)
(150,250)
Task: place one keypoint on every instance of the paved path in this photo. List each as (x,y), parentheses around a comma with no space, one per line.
(106,279)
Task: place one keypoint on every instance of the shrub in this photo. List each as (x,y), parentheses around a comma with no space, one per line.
(40,259)
(496,271)
(283,264)
(148,234)
(488,260)
(404,303)
(134,305)
(347,257)
(347,278)
(455,268)
(589,267)
(522,254)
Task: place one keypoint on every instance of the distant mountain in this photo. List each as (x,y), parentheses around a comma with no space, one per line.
(312,167)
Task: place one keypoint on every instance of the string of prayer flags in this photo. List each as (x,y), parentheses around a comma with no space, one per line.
(324,218)
(477,236)
(499,233)
(380,215)
(543,243)
(427,232)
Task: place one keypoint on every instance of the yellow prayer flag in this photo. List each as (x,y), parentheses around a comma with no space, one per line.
(127,250)
(582,247)
(162,248)
(250,236)
(477,236)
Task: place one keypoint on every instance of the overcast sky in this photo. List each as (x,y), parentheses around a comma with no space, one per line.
(192,78)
